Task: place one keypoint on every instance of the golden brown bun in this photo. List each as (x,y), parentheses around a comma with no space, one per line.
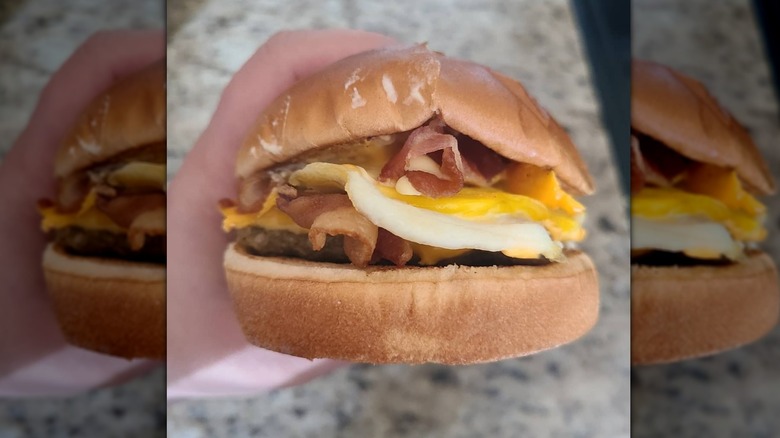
(678,111)
(392,90)
(110,306)
(129,114)
(451,315)
(685,312)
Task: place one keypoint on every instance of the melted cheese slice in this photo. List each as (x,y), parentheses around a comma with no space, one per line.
(87,217)
(430,255)
(269,217)
(541,184)
(724,185)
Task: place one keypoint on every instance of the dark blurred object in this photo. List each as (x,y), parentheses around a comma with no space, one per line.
(605,26)
(768,17)
(7,8)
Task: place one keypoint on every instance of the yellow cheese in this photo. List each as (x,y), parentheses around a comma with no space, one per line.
(269,217)
(273,219)
(430,255)
(722,184)
(139,175)
(543,185)
(88,217)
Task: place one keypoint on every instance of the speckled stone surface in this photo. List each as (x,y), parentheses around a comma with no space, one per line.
(581,389)
(736,393)
(36,36)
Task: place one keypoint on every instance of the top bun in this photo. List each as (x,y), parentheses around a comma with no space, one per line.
(392,90)
(678,111)
(130,114)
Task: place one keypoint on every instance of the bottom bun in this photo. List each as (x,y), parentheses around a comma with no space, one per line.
(110,306)
(684,312)
(451,315)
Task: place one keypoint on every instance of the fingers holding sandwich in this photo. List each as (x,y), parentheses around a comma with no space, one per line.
(207,176)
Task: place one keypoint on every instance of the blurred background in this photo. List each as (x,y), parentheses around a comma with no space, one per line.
(36,37)
(734,393)
(581,389)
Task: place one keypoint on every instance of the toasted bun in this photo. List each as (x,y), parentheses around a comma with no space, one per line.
(451,315)
(129,114)
(685,312)
(679,112)
(393,90)
(110,306)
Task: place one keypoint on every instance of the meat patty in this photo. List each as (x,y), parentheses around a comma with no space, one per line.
(98,243)
(279,243)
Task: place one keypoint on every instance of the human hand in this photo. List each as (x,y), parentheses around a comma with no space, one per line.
(34,357)
(207,352)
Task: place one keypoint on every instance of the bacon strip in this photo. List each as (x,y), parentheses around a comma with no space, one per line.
(480,163)
(303,210)
(360,235)
(333,215)
(71,192)
(393,248)
(659,164)
(148,223)
(423,141)
(253,191)
(122,210)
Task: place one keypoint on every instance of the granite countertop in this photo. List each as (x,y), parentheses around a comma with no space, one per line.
(36,36)
(735,393)
(581,389)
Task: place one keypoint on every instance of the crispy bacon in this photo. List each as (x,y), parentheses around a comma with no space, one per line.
(391,247)
(423,141)
(480,163)
(71,192)
(122,210)
(359,233)
(253,191)
(661,165)
(303,210)
(148,223)
(333,215)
